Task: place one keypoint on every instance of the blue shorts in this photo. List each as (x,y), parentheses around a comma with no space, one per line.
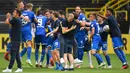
(50,41)
(80,40)
(117,42)
(103,45)
(26,36)
(40,39)
(56,45)
(96,39)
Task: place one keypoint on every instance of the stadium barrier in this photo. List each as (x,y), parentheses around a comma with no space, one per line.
(4,39)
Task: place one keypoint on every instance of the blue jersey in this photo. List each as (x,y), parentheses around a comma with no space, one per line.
(81,17)
(103,34)
(114,28)
(95,25)
(40,27)
(27,25)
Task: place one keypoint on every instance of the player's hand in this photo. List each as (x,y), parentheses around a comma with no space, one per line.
(73,27)
(89,39)
(25,18)
(77,21)
(8,15)
(47,34)
(82,28)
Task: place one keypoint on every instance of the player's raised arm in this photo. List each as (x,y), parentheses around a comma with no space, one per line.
(102,16)
(8,15)
(35,19)
(92,33)
(25,18)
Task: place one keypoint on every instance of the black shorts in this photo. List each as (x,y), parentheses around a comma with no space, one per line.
(68,46)
(87,46)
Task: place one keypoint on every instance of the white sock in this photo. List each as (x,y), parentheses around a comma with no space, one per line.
(66,66)
(40,63)
(89,58)
(71,66)
(36,62)
(124,63)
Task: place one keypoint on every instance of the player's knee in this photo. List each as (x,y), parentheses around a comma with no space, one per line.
(93,52)
(104,53)
(29,43)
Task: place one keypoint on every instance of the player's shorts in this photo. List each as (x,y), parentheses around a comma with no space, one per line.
(96,39)
(68,46)
(117,42)
(26,36)
(80,38)
(50,41)
(103,45)
(40,39)
(87,46)
(56,45)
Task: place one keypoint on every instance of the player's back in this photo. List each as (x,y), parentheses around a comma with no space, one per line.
(40,27)
(114,28)
(28,14)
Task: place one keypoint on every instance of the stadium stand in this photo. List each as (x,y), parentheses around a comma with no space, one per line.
(88,5)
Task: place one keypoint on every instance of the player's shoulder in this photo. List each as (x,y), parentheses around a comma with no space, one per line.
(31,12)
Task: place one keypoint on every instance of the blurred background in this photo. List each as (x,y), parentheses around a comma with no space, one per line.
(121,7)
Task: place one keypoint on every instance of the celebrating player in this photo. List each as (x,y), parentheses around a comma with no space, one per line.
(40,37)
(96,39)
(54,36)
(26,32)
(103,43)
(81,36)
(115,34)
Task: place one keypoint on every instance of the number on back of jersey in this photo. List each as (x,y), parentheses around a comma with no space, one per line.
(39,22)
(24,22)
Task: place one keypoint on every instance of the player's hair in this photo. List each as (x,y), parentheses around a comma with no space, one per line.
(78,6)
(51,11)
(40,12)
(29,5)
(75,15)
(18,11)
(111,10)
(92,13)
(61,12)
(56,14)
(47,10)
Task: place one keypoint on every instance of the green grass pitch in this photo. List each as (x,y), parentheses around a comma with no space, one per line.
(27,69)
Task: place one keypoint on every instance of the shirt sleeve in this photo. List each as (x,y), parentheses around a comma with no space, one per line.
(64,24)
(57,24)
(33,16)
(92,25)
(11,21)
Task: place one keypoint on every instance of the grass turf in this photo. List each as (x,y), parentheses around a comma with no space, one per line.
(27,69)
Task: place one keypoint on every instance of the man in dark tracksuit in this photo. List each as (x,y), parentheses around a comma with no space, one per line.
(15,22)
